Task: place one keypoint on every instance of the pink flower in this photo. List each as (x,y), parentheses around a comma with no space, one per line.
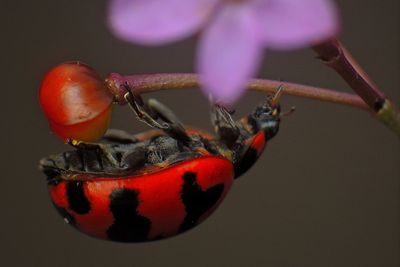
(235,32)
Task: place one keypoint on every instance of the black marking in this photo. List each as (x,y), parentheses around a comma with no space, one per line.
(197,201)
(245,162)
(129,225)
(76,197)
(68,218)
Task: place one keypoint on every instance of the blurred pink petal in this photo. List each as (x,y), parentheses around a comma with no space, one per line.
(229,52)
(291,24)
(234,32)
(154,22)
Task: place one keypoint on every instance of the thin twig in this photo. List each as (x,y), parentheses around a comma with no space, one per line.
(336,56)
(153,82)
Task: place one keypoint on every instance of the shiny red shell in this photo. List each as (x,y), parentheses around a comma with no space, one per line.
(146,207)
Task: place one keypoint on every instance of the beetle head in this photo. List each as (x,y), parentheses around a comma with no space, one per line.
(266,116)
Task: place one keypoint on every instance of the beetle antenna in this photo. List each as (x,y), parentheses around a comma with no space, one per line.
(287,113)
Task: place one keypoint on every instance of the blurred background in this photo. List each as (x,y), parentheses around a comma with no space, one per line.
(325,192)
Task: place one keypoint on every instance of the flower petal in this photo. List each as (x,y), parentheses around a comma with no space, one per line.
(291,24)
(155,22)
(229,53)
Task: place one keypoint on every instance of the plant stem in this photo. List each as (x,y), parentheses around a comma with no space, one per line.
(335,55)
(143,83)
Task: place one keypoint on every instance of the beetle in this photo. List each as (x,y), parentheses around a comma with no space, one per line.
(154,185)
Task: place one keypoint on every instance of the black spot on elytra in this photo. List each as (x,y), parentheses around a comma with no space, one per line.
(197,201)
(68,218)
(76,197)
(129,225)
(245,162)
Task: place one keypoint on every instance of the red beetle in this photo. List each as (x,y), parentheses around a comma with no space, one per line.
(134,188)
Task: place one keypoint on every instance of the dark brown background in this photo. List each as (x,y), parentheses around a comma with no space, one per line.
(325,193)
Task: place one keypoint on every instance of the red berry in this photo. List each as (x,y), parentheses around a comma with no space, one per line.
(76,102)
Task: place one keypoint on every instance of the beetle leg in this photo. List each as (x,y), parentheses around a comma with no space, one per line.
(175,127)
(152,111)
(112,156)
(104,149)
(224,125)
(142,111)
